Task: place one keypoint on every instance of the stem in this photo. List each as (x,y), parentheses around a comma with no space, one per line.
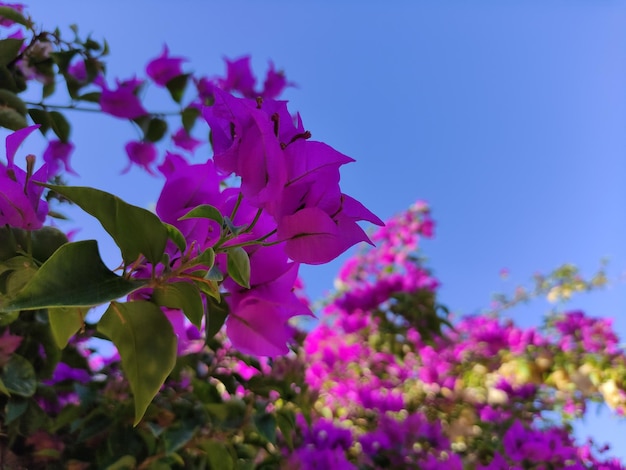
(73,107)
(237,204)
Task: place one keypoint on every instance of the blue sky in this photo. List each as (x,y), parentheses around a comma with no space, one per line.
(509,120)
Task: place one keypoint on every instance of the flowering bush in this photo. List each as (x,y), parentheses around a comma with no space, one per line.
(209,370)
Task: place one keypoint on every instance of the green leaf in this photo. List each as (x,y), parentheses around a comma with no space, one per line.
(206,258)
(60,126)
(147,346)
(266,424)
(15,408)
(218,455)
(189,117)
(74,276)
(127,462)
(92,97)
(217,312)
(11,119)
(135,230)
(9,50)
(286,423)
(48,90)
(41,117)
(175,438)
(65,322)
(13,15)
(239,266)
(176,87)
(174,234)
(183,296)
(19,376)
(11,100)
(204,211)
(156,130)
(46,241)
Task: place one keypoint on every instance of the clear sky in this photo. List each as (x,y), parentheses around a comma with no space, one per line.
(509,120)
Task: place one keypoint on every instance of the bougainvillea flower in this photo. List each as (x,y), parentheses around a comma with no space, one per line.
(190,340)
(184,141)
(20,198)
(141,153)
(313,236)
(275,83)
(186,187)
(258,326)
(58,153)
(162,69)
(244,143)
(123,101)
(239,77)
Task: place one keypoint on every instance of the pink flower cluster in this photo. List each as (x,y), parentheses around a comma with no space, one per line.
(474,395)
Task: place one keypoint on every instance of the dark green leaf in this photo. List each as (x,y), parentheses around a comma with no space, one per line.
(11,119)
(60,126)
(147,346)
(15,408)
(48,90)
(204,211)
(92,97)
(9,50)
(286,423)
(19,376)
(46,241)
(206,258)
(13,15)
(156,130)
(266,424)
(216,316)
(239,266)
(176,87)
(41,117)
(64,58)
(177,237)
(11,100)
(135,230)
(189,117)
(65,322)
(175,438)
(74,276)
(183,296)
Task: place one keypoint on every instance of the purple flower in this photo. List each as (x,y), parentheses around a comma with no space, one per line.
(141,153)
(121,102)
(239,77)
(245,144)
(186,187)
(184,141)
(20,198)
(58,153)
(164,68)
